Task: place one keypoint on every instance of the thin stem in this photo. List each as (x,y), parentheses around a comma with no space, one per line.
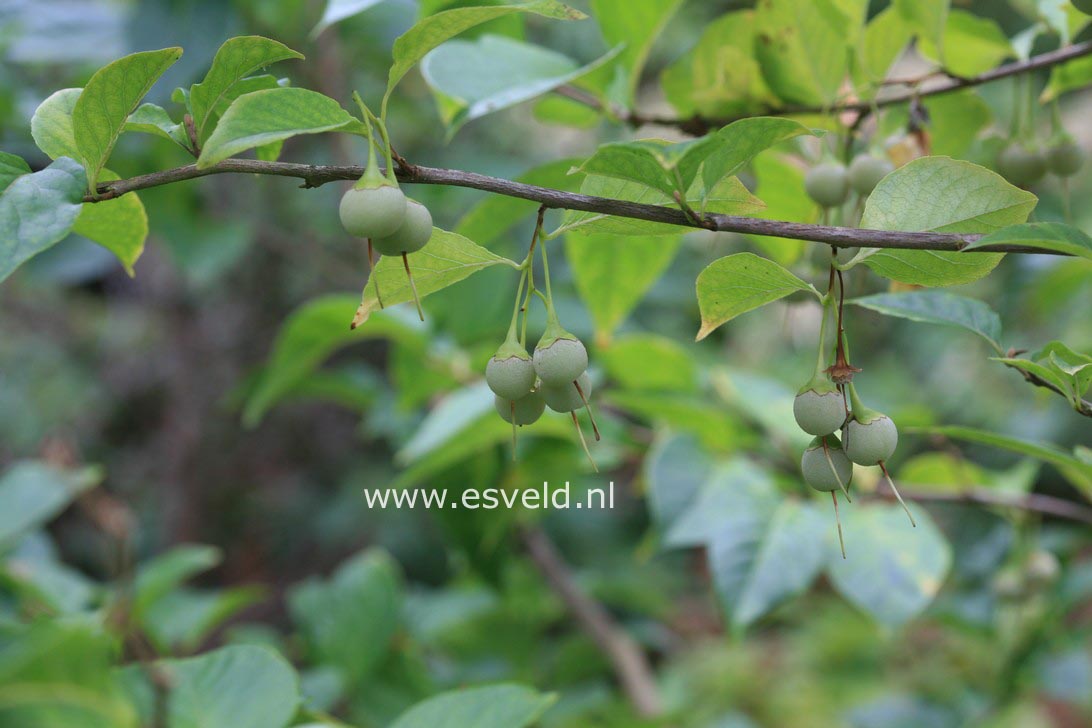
(830,462)
(413,287)
(891,484)
(838,520)
(371,273)
(516,308)
(512,404)
(587,406)
(583,442)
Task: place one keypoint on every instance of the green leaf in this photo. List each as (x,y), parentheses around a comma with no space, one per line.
(11,167)
(308,337)
(1052,236)
(764,400)
(729,197)
(1065,77)
(781,187)
(675,468)
(119,225)
(350,620)
(928,18)
(456,412)
(32,493)
(448,258)
(273,115)
(803,47)
(882,43)
(492,73)
(612,273)
(156,577)
(38,210)
(651,162)
(760,559)
(972,44)
(338,10)
(720,76)
(236,59)
(739,283)
(634,26)
(891,570)
(956,120)
(739,142)
(152,119)
(1076,471)
(938,307)
(496,214)
(111,94)
(183,619)
(504,705)
(429,32)
(244,686)
(649,362)
(945,195)
(1042,371)
(51,125)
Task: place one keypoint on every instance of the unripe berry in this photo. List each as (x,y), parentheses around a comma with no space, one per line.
(819,408)
(817,469)
(1065,158)
(372,212)
(560,360)
(566,397)
(827,184)
(1021,165)
(510,372)
(523,411)
(866,171)
(411,235)
(871,438)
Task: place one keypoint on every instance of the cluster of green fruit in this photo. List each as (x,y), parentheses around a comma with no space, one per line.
(556,376)
(1024,164)
(830,183)
(376,209)
(829,402)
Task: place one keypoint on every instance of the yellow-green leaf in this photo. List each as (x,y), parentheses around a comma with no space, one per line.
(739,283)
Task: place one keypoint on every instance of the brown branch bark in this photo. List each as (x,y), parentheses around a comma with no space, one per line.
(317,175)
(699,125)
(630,664)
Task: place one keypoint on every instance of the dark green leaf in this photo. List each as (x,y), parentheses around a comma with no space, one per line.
(32,493)
(152,119)
(938,307)
(1053,236)
(38,210)
(493,706)
(11,166)
(158,576)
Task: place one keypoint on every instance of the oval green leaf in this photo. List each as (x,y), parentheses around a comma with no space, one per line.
(740,283)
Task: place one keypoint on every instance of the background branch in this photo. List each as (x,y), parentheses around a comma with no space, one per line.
(1081,406)
(1035,502)
(698,125)
(627,659)
(316,175)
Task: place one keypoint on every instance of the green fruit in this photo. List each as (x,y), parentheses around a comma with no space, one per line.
(819,408)
(411,235)
(1021,165)
(566,397)
(560,359)
(523,411)
(827,184)
(1085,6)
(866,171)
(1065,158)
(510,372)
(816,468)
(870,437)
(372,212)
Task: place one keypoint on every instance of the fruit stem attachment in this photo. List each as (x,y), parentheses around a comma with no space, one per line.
(371,178)
(838,521)
(830,462)
(512,404)
(891,484)
(413,287)
(591,415)
(529,267)
(511,337)
(583,442)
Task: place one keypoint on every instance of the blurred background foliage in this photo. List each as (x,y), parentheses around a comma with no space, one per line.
(170,383)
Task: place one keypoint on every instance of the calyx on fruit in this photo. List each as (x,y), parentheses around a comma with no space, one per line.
(825,466)
(866,171)
(412,234)
(510,372)
(1021,165)
(819,408)
(375,206)
(870,436)
(827,184)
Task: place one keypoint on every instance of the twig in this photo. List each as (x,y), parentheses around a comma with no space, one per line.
(629,662)
(699,125)
(1081,406)
(317,175)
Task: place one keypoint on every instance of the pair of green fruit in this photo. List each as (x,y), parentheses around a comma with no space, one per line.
(1024,165)
(555,376)
(829,183)
(379,211)
(870,436)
